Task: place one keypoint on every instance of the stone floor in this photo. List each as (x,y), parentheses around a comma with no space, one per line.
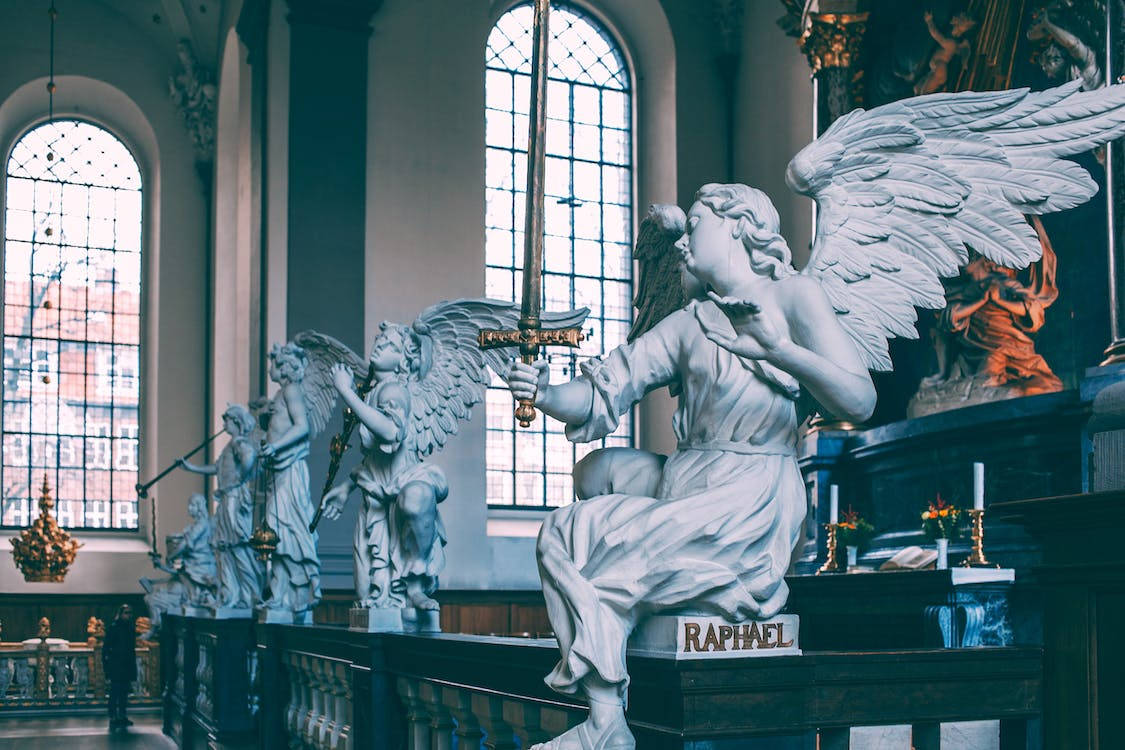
(90,732)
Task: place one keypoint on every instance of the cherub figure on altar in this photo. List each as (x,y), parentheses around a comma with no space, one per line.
(901,191)
(948,47)
(240,572)
(422,380)
(294,570)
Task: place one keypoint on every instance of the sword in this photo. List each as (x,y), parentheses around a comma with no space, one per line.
(530,336)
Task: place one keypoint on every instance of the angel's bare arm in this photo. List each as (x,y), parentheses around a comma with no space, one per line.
(821,356)
(567,402)
(298,418)
(381,426)
(204,469)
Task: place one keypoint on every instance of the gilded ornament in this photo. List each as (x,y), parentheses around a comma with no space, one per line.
(43,552)
(832,40)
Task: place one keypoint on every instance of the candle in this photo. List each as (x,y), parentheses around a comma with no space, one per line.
(978,486)
(834,504)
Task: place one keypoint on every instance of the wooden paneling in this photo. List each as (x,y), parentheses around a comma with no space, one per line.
(68,613)
(471,612)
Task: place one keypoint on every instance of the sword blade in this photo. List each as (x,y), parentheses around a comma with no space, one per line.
(531,304)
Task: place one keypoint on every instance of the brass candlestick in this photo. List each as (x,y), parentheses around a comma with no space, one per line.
(831,565)
(976,558)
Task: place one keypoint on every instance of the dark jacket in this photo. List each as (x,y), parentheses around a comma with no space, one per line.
(119,652)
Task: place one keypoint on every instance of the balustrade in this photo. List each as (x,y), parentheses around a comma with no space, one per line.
(60,675)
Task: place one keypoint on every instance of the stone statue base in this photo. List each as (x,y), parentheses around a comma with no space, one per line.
(394,620)
(231,613)
(191,610)
(961,392)
(284,617)
(706,637)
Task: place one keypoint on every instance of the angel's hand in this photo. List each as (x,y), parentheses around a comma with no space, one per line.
(334,502)
(527,381)
(741,329)
(342,377)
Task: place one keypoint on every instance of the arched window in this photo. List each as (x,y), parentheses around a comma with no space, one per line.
(72,289)
(589,224)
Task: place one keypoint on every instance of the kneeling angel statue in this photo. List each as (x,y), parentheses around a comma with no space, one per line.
(902,191)
(422,380)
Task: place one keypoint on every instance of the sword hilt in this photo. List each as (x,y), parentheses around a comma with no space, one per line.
(529,340)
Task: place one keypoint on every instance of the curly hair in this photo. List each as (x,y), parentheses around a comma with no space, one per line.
(241,417)
(292,355)
(757,225)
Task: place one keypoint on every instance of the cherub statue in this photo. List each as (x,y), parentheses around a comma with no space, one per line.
(190,567)
(983,337)
(900,189)
(954,45)
(240,572)
(1065,56)
(425,377)
(294,578)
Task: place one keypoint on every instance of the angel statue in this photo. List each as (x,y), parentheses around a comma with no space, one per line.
(901,191)
(425,378)
(240,572)
(294,571)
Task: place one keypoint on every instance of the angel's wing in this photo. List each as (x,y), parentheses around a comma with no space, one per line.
(320,395)
(902,190)
(453,375)
(660,290)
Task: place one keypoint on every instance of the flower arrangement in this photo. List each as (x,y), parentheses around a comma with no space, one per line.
(854,531)
(942,520)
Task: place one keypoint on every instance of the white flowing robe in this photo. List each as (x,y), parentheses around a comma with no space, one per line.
(718,536)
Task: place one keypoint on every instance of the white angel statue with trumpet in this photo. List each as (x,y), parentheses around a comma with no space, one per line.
(902,192)
(424,380)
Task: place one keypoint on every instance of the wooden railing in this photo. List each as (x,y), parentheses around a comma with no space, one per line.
(330,689)
(64,675)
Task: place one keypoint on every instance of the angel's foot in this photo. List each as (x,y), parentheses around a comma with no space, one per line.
(416,596)
(605,735)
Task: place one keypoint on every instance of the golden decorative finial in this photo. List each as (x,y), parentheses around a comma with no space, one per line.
(44,551)
(264,541)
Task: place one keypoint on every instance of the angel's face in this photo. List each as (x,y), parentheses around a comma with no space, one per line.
(708,245)
(1052,61)
(387,352)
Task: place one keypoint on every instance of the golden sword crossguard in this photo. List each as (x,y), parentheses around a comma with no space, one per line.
(530,335)
(529,338)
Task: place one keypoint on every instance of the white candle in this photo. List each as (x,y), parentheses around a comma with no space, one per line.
(834,504)
(978,486)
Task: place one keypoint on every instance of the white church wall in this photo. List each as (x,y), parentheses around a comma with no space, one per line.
(425,198)
(110,72)
(773,118)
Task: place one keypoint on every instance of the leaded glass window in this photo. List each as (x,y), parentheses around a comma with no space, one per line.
(589,225)
(72,293)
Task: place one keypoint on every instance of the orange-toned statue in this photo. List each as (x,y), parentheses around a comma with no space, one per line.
(985,349)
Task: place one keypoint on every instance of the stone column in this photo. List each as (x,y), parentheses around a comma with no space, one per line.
(1115,192)
(327,179)
(832,41)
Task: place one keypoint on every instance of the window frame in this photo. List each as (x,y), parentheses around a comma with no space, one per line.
(145,250)
(631,90)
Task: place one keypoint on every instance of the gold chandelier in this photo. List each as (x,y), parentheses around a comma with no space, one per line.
(44,551)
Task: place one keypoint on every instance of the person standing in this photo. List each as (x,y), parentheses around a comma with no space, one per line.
(119,660)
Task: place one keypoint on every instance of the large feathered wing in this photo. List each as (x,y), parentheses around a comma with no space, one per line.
(320,394)
(903,190)
(454,372)
(660,290)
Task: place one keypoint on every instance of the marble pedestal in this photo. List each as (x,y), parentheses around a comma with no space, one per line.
(706,637)
(284,617)
(394,620)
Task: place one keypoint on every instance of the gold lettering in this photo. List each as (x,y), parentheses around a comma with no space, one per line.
(781,642)
(711,641)
(691,636)
(755,637)
(768,628)
(741,640)
(725,633)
